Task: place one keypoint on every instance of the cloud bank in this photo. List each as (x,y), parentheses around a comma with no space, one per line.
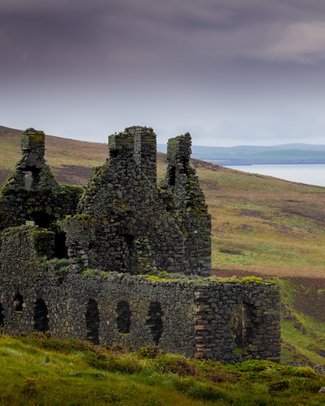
(227,69)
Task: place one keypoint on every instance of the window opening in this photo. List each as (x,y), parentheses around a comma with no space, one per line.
(92,321)
(41,321)
(123,318)
(154,321)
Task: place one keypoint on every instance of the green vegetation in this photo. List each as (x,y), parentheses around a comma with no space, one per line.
(165,277)
(89,272)
(47,371)
(303,336)
(265,225)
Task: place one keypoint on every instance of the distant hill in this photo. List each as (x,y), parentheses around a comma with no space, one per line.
(249,155)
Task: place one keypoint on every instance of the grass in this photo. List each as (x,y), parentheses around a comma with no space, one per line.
(47,371)
(277,227)
(303,336)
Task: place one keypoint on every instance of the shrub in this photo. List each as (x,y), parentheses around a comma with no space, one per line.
(176,364)
(151,351)
(199,390)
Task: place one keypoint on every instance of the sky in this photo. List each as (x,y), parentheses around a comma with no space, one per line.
(228,71)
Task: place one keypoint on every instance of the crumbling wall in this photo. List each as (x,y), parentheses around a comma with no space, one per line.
(236,321)
(29,193)
(191,209)
(199,317)
(145,151)
(126,227)
(32,194)
(130,225)
(37,293)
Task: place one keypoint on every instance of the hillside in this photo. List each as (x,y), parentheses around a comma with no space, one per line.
(38,370)
(71,161)
(260,225)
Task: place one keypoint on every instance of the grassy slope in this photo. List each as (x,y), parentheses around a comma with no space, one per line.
(51,372)
(72,161)
(303,326)
(260,225)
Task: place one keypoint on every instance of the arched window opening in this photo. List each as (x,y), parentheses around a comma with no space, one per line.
(154,321)
(123,318)
(41,321)
(2,317)
(60,248)
(92,321)
(18,303)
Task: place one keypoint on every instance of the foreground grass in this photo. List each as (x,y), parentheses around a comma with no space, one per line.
(47,371)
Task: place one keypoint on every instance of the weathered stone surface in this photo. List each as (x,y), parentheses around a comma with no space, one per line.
(189,204)
(103,280)
(31,193)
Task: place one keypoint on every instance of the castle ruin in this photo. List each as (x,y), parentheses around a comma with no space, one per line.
(125,261)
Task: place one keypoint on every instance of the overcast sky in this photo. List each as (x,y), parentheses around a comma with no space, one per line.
(229,71)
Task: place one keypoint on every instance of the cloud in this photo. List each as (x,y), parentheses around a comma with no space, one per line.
(209,65)
(302,42)
(157,34)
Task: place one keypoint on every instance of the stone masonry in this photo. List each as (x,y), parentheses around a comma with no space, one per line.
(125,261)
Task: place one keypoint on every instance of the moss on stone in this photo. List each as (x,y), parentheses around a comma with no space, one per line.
(89,272)
(36,137)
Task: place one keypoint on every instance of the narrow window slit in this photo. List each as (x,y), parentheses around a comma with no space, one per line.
(92,321)
(123,318)
(2,317)
(154,321)
(41,321)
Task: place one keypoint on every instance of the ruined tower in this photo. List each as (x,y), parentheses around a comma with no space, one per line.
(190,204)
(29,193)
(32,195)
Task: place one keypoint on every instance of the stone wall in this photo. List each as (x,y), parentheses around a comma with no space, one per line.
(201,317)
(127,224)
(31,193)
(238,321)
(189,201)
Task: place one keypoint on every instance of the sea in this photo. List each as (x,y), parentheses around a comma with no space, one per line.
(312,174)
